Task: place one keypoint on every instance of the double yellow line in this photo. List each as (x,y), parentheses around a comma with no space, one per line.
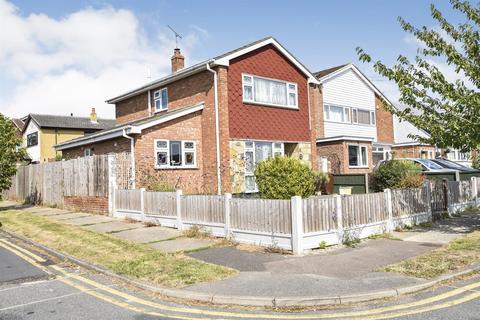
(111,295)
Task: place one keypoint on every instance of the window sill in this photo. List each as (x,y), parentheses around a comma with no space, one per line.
(158,111)
(270,105)
(358,167)
(176,168)
(351,123)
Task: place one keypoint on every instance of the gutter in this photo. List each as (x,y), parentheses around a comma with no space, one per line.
(217,126)
(132,154)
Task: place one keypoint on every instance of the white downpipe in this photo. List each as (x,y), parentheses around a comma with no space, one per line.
(132,155)
(217,127)
(149,103)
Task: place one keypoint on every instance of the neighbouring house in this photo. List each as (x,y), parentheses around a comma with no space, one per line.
(203,128)
(407,147)
(355,130)
(19,124)
(42,131)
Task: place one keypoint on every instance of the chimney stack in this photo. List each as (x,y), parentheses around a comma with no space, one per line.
(178,61)
(93,116)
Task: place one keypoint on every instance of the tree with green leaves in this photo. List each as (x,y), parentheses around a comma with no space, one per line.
(9,153)
(448,110)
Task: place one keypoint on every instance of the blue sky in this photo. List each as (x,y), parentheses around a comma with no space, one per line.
(319,33)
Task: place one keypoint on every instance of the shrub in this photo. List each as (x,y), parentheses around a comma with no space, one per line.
(476,162)
(285,177)
(397,174)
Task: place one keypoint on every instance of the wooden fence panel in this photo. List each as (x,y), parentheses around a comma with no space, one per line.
(437,196)
(160,203)
(319,214)
(271,216)
(459,192)
(409,201)
(128,200)
(363,209)
(203,208)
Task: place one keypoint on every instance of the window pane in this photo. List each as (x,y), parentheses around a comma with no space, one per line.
(161,144)
(347,114)
(249,144)
(327,112)
(363,117)
(269,91)
(247,93)
(336,113)
(156,94)
(162,158)
(372,117)
(157,105)
(189,158)
(247,79)
(164,99)
(249,161)
(279,92)
(175,153)
(354,116)
(250,183)
(263,150)
(291,87)
(188,145)
(364,156)
(377,157)
(352,156)
(292,97)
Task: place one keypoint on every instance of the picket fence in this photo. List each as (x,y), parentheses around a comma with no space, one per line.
(50,182)
(298,224)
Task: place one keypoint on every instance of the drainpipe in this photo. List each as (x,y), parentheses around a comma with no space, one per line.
(132,155)
(217,126)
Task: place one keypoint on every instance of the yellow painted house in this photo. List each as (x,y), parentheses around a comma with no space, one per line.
(42,131)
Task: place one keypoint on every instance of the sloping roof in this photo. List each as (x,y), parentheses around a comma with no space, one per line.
(132,127)
(69,122)
(18,123)
(222,60)
(323,73)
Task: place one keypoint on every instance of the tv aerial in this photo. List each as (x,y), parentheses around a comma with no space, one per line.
(177,36)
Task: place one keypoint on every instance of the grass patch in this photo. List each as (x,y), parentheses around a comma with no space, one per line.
(123,257)
(383,236)
(458,254)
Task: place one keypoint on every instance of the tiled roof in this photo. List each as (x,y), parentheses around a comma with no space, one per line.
(70,122)
(18,123)
(323,73)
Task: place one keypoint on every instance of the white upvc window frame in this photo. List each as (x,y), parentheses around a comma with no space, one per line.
(287,87)
(249,146)
(158,97)
(371,117)
(87,152)
(183,153)
(349,115)
(359,156)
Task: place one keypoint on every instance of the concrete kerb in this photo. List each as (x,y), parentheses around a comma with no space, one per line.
(256,301)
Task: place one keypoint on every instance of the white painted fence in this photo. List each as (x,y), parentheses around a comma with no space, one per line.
(297,224)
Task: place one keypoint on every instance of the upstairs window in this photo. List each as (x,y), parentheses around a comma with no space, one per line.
(32,139)
(175,154)
(160,100)
(343,114)
(269,92)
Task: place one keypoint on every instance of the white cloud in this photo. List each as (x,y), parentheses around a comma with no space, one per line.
(67,65)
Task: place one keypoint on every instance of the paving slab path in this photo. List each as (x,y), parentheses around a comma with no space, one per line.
(182,244)
(66,216)
(87,220)
(113,226)
(150,234)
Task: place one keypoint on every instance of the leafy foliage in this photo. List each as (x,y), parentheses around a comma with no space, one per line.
(476,162)
(285,177)
(448,110)
(8,152)
(397,174)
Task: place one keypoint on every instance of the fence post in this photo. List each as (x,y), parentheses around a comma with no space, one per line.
(367,184)
(178,202)
(446,193)
(428,190)
(338,211)
(474,188)
(142,203)
(389,206)
(457,176)
(297,225)
(226,210)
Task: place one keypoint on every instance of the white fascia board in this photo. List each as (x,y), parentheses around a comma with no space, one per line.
(171,117)
(346,138)
(361,75)
(407,144)
(225,61)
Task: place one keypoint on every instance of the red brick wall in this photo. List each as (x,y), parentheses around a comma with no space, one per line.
(249,121)
(411,151)
(384,122)
(132,108)
(103,147)
(185,128)
(87,204)
(336,153)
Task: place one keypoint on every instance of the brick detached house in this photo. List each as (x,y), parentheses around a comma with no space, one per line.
(355,131)
(203,128)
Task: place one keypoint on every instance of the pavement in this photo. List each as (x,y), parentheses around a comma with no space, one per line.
(62,291)
(331,272)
